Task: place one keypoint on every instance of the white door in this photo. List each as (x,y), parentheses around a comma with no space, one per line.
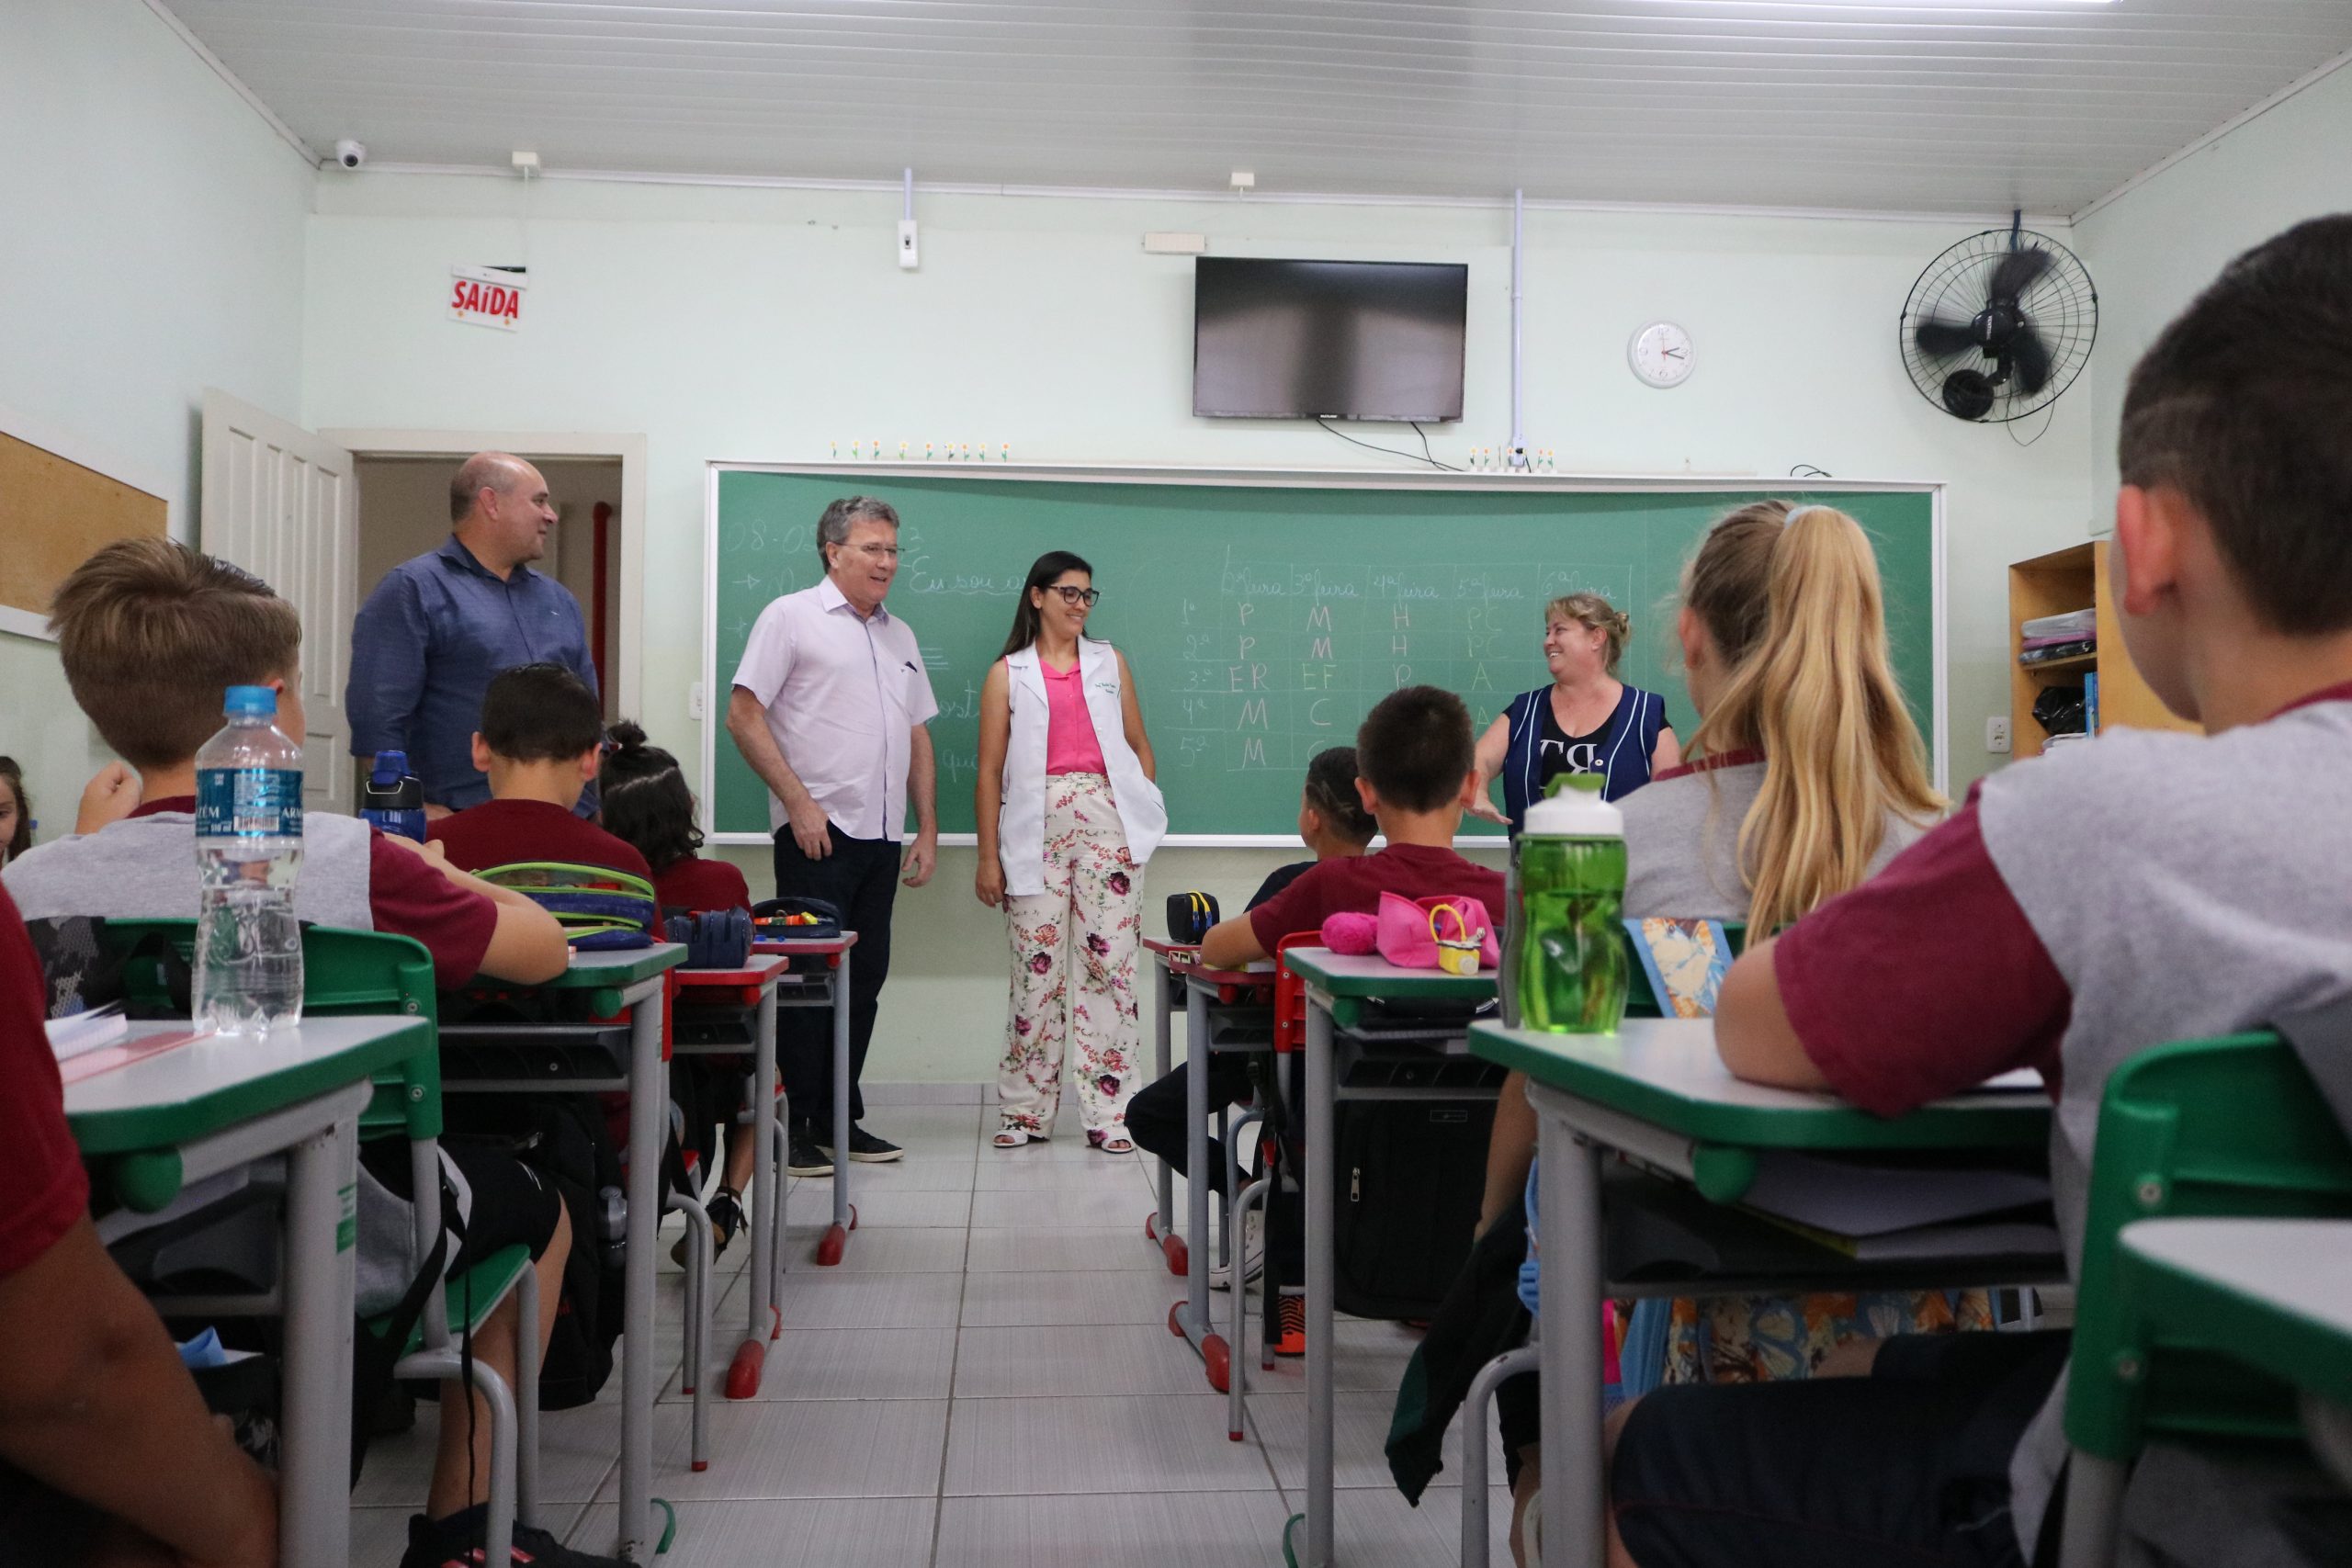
(284,505)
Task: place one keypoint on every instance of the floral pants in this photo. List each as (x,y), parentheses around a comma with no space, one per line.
(1074,967)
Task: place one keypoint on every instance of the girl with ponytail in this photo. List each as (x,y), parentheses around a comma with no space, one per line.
(1807,774)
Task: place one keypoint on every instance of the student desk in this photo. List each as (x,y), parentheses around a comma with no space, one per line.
(153,1125)
(1338,987)
(821,965)
(758,979)
(1657,1092)
(2285,1289)
(634,981)
(1224,1010)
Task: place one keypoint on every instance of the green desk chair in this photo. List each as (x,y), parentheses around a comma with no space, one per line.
(2232,1127)
(355,973)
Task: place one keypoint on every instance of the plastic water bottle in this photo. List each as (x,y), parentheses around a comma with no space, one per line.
(394,799)
(1568,874)
(248,855)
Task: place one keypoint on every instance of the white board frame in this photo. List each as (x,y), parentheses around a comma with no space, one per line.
(714,698)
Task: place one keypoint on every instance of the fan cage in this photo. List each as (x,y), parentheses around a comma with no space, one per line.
(2062,304)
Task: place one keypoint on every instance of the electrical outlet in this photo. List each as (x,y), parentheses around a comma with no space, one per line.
(694,700)
(1996,736)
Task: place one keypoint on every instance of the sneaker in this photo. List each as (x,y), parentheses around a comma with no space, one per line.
(863,1148)
(726,1212)
(805,1159)
(1290,1318)
(1253,1254)
(455,1542)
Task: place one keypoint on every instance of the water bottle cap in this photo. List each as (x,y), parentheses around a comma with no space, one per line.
(240,700)
(389,765)
(1575,812)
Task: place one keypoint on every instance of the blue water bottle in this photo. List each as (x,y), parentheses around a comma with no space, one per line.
(393,799)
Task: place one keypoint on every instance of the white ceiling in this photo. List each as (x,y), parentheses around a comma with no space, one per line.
(1913,106)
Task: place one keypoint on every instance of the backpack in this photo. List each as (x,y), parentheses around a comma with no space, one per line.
(563,1137)
(1411,1176)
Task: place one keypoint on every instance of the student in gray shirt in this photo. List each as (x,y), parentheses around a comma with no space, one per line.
(2080,910)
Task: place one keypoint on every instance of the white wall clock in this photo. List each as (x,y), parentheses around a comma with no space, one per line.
(1660,354)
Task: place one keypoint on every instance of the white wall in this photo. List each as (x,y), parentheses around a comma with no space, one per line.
(763,325)
(2152,248)
(152,245)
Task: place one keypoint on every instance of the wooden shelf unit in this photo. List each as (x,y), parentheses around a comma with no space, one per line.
(2075,578)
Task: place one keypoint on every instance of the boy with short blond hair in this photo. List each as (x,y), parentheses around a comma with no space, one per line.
(2080,910)
(151,634)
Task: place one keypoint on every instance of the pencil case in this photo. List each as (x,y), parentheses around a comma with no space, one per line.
(1190,916)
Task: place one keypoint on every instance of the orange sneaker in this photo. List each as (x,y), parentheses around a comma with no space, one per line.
(1289,1318)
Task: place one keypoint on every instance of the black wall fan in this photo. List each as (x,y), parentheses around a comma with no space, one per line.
(1999,325)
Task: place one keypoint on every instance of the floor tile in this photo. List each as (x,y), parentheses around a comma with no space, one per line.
(1239,1530)
(895,1095)
(810,1448)
(851,1363)
(1096,1297)
(1010,1363)
(1360,1438)
(925,1172)
(1015,1173)
(1056,1249)
(823,1298)
(1110,1203)
(906,1249)
(823,1532)
(879,1206)
(1377,1528)
(1116,1446)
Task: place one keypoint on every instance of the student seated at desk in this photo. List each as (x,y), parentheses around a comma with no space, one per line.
(2081,908)
(542,741)
(1335,825)
(107,1454)
(151,634)
(648,807)
(1415,760)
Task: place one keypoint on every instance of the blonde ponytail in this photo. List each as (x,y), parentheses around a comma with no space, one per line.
(1813,689)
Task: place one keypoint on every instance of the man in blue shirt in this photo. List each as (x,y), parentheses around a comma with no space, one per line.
(436,629)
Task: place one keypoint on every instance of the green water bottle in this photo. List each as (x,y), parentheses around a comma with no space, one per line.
(1568,868)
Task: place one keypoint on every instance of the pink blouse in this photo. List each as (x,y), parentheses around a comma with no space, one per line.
(1070,745)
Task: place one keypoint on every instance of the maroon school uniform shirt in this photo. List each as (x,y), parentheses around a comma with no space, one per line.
(693,883)
(43,1190)
(1355,883)
(408,898)
(499,832)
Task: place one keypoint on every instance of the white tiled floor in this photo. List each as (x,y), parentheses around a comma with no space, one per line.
(986,1382)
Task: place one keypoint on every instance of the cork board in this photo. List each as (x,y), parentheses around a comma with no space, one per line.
(53,513)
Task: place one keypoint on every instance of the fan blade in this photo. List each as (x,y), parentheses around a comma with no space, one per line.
(2029,359)
(2018,271)
(1944,338)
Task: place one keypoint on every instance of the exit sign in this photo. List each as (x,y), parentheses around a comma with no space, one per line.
(486,297)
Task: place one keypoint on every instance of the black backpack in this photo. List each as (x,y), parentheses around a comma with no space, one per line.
(1411,1179)
(564,1138)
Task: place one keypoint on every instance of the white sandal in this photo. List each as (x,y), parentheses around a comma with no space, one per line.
(1014,1137)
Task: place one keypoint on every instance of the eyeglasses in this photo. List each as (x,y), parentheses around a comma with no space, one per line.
(1086,596)
(878,552)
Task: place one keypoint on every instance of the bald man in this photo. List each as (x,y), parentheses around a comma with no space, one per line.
(438,628)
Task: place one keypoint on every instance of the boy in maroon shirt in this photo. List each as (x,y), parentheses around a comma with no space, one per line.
(1414,760)
(542,741)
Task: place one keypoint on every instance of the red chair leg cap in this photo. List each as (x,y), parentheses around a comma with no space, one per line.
(743,1373)
(829,1247)
(1219,1361)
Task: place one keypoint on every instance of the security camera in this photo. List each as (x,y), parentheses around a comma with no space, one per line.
(350,153)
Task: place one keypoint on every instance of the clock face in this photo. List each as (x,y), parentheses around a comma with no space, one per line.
(1660,354)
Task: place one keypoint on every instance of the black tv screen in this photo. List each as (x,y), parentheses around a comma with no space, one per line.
(1316,340)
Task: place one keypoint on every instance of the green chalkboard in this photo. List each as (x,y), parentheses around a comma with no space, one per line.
(1261,621)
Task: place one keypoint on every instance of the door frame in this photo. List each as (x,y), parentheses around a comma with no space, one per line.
(628,654)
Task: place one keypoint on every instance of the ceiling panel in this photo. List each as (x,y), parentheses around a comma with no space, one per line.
(2043,104)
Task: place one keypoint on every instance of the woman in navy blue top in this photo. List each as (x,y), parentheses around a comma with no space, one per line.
(1585,721)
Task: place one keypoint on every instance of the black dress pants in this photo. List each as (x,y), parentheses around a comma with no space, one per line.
(860,878)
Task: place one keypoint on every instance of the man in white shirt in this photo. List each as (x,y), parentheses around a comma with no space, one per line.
(829,707)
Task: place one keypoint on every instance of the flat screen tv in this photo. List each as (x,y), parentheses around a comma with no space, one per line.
(1328,340)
